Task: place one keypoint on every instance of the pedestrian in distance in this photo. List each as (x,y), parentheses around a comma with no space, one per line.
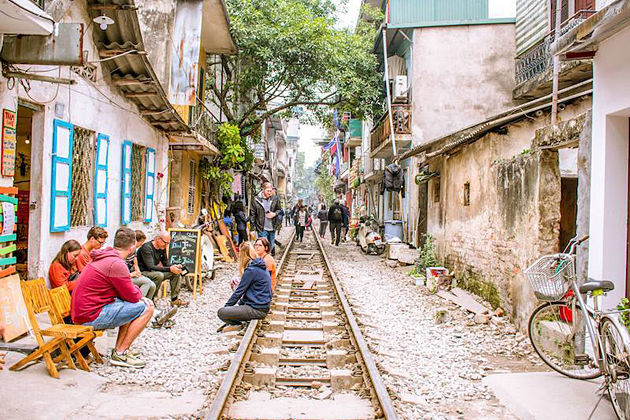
(63,269)
(153,263)
(345,223)
(280,219)
(252,297)
(96,238)
(300,223)
(295,210)
(106,298)
(335,219)
(322,215)
(264,214)
(241,221)
(262,248)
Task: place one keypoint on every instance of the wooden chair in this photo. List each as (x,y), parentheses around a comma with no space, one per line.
(60,297)
(37,300)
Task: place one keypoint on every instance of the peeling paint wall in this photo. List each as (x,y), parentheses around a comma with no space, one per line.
(514,211)
(156,19)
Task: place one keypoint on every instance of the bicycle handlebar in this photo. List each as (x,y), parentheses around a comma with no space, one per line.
(574,243)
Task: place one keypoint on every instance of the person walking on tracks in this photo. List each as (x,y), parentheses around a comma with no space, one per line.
(264,214)
(300,223)
(322,215)
(335,218)
(252,297)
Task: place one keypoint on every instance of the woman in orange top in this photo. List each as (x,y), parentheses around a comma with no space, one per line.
(262,250)
(63,269)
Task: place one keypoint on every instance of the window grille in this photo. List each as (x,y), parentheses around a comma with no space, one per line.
(138,174)
(467,194)
(192,182)
(82,177)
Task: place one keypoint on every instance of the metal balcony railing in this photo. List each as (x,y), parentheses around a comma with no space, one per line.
(401,114)
(203,122)
(538,58)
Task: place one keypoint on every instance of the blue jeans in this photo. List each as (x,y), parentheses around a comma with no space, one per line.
(271,237)
(117,313)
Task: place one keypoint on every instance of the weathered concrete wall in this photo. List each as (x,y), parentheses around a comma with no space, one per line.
(103,111)
(513,216)
(461,76)
(156,18)
(584,195)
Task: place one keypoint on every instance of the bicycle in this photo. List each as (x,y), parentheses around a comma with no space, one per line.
(573,338)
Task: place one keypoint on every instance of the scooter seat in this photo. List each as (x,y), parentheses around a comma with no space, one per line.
(592,285)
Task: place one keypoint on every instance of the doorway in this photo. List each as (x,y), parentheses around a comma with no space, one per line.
(22,180)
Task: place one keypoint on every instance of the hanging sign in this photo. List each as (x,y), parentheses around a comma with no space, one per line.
(9,127)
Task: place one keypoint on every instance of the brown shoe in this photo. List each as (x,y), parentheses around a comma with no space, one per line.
(179,302)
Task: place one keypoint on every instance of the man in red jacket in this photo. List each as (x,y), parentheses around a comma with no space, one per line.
(105,297)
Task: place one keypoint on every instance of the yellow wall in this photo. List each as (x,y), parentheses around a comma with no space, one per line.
(179,186)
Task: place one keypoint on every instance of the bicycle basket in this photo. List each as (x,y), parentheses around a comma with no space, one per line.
(551,276)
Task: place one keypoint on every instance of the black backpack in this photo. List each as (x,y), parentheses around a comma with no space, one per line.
(337,214)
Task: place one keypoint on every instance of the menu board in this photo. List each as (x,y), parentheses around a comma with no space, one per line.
(9,127)
(185,248)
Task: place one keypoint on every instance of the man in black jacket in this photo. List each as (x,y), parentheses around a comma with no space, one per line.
(322,215)
(153,263)
(264,214)
(335,218)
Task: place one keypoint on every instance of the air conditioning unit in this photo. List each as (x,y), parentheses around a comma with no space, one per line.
(400,89)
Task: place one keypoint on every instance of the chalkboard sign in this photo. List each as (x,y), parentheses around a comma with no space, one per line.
(185,248)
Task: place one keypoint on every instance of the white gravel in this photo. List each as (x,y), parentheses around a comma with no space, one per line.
(189,356)
(431,370)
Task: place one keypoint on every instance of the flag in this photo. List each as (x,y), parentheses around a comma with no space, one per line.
(336,119)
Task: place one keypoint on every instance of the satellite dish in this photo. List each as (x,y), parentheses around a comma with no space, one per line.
(103,21)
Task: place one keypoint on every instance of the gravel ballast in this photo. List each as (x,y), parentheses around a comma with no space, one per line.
(431,369)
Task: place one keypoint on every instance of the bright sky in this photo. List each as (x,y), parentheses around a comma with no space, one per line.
(347,18)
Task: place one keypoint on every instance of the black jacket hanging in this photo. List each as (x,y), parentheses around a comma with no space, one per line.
(394,179)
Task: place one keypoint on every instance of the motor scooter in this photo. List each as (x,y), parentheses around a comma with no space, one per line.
(369,238)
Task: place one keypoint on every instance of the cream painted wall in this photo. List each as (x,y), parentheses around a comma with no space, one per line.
(94,106)
(609,170)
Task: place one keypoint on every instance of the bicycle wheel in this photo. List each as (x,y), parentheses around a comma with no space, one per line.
(554,329)
(618,367)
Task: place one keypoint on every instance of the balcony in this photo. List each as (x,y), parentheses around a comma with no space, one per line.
(534,68)
(202,122)
(356,133)
(380,138)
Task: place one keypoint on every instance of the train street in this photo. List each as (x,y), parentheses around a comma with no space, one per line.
(315,209)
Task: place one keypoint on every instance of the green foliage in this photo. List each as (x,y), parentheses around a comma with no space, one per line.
(427,257)
(232,152)
(624,315)
(291,54)
(234,155)
(324,184)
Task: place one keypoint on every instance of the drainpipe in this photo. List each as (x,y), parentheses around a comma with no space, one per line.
(386,68)
(556,65)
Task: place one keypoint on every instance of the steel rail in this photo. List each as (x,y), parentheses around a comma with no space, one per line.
(220,400)
(377,382)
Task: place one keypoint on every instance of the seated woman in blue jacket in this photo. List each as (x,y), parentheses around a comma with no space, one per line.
(252,297)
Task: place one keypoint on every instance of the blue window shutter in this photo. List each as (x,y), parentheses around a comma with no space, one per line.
(125,210)
(150,186)
(100,180)
(61,179)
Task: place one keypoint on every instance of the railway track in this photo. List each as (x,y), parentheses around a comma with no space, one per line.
(307,358)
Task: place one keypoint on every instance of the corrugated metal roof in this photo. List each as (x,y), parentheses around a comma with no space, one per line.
(129,66)
(531,23)
(414,12)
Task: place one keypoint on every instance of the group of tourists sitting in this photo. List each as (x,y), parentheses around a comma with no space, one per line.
(116,286)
